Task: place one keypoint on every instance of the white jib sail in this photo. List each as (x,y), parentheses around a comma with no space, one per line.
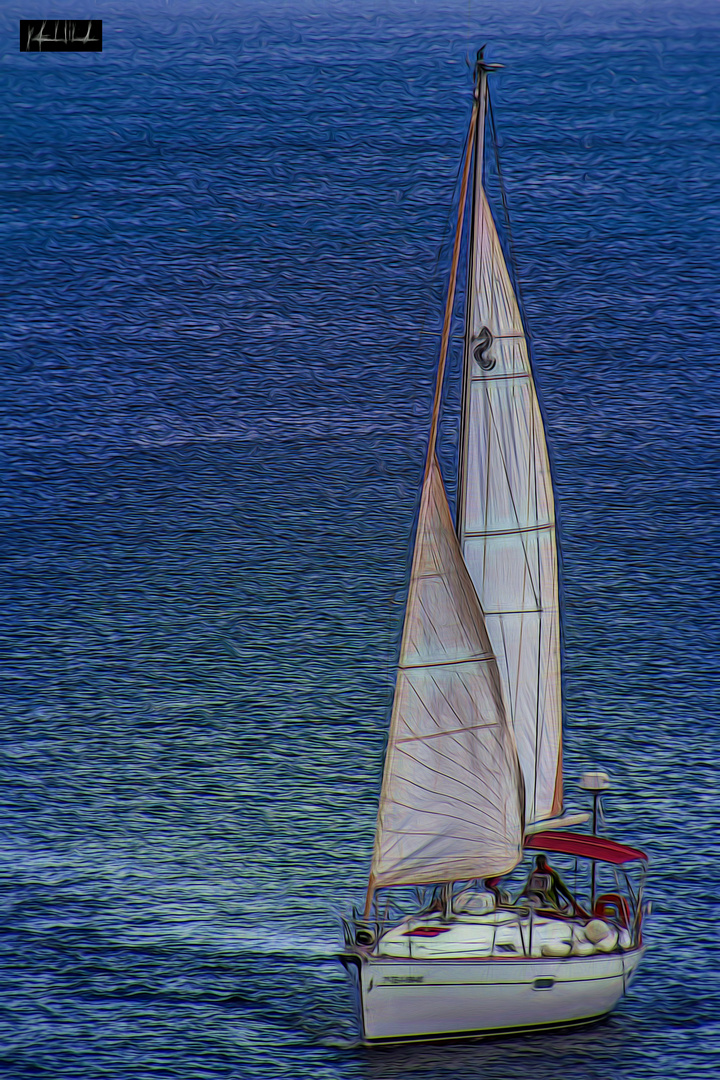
(451,802)
(506,521)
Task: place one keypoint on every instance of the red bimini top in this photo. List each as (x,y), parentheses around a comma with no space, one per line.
(585,846)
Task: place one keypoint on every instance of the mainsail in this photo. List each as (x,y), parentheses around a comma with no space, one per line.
(506,521)
(451,806)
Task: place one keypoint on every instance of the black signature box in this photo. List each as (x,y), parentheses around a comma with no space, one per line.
(61,35)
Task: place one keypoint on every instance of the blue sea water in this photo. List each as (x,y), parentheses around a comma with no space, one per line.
(225,245)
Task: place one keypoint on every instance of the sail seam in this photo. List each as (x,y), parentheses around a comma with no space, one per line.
(513,532)
(447,663)
(452,731)
(522,611)
(499,378)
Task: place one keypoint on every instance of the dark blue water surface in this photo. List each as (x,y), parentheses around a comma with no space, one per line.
(226,240)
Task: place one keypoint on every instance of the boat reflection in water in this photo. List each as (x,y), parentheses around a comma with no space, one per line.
(473,768)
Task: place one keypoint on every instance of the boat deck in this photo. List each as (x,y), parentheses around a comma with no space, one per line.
(499,934)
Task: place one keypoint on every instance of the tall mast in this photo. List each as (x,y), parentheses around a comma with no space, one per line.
(482,69)
(449,303)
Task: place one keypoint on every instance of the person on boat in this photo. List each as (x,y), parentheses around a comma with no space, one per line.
(545,888)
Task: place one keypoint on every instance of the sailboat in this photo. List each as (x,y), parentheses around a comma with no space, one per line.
(473,781)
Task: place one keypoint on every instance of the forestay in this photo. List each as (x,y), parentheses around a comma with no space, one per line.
(451,802)
(506,522)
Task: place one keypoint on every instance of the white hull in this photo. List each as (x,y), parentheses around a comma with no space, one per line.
(421,999)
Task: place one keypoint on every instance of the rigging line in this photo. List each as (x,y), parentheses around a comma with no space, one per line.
(466,388)
(449,303)
(503,195)
(441,245)
(432,440)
